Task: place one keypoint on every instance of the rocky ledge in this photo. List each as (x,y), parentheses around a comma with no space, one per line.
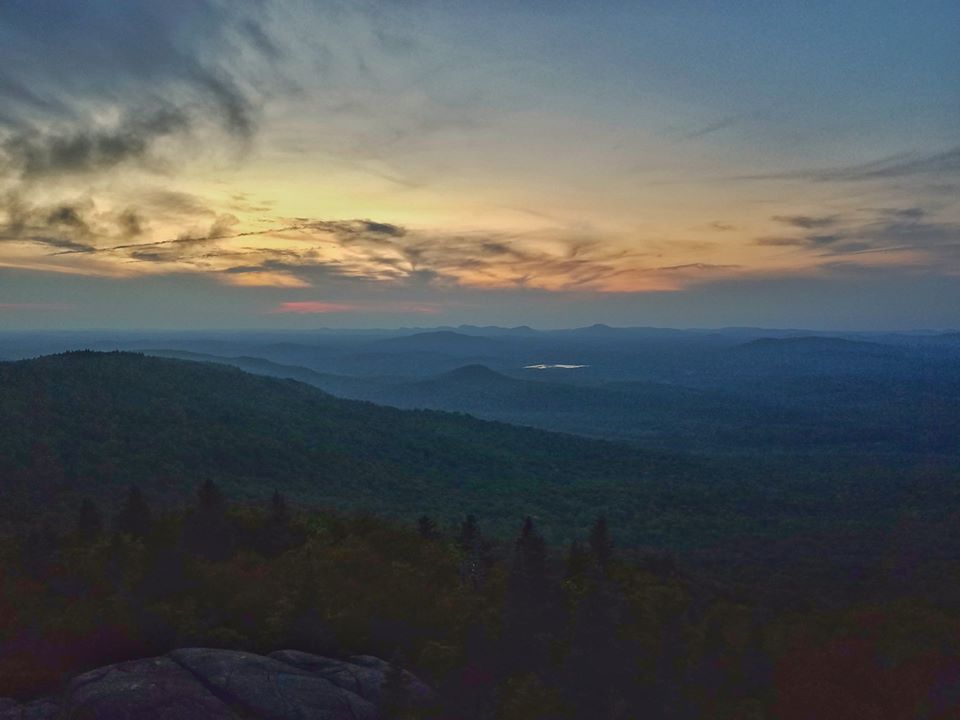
(206,684)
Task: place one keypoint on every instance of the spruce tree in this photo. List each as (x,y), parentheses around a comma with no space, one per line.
(578,562)
(89,525)
(277,535)
(427,528)
(208,532)
(279,514)
(475,553)
(469,533)
(527,612)
(530,560)
(211,502)
(597,666)
(134,517)
(601,546)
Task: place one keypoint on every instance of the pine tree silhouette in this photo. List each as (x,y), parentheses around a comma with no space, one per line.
(527,612)
(601,546)
(279,514)
(135,517)
(89,526)
(208,532)
(427,528)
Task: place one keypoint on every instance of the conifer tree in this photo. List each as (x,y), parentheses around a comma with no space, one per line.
(427,528)
(38,551)
(89,525)
(598,661)
(279,514)
(277,534)
(475,557)
(210,499)
(578,562)
(527,612)
(208,532)
(601,546)
(469,533)
(529,571)
(135,517)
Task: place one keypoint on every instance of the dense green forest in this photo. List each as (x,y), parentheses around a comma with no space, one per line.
(712,393)
(508,629)
(91,422)
(84,424)
(138,517)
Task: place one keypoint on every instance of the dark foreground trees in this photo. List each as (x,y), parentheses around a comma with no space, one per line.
(504,630)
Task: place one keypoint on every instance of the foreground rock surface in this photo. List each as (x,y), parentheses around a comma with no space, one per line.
(202,683)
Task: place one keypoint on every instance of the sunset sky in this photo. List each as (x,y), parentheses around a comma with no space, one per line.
(377,164)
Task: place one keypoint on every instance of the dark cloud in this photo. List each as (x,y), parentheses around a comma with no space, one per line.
(383,228)
(65,66)
(131,224)
(869,231)
(35,153)
(236,110)
(699,266)
(172,202)
(52,241)
(68,228)
(68,216)
(776,241)
(253,31)
(154,255)
(356,230)
(910,213)
(807,222)
(820,240)
(222,227)
(375,250)
(63,227)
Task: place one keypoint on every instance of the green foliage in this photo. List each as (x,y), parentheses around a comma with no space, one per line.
(601,545)
(89,522)
(542,637)
(134,517)
(501,630)
(90,424)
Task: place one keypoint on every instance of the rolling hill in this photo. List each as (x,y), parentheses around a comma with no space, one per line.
(88,423)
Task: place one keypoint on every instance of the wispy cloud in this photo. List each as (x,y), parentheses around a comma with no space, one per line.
(807,222)
(871,231)
(317,307)
(717,126)
(938,164)
(304,252)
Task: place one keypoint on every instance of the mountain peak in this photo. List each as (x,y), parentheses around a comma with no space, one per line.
(474,372)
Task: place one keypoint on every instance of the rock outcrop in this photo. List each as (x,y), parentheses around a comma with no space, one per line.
(207,684)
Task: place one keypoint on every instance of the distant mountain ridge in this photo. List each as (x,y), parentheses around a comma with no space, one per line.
(89,423)
(813,343)
(442,340)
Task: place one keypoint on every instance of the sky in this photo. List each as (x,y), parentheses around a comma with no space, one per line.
(293,164)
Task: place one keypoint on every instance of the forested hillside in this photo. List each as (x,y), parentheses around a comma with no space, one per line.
(88,423)
(524,574)
(85,424)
